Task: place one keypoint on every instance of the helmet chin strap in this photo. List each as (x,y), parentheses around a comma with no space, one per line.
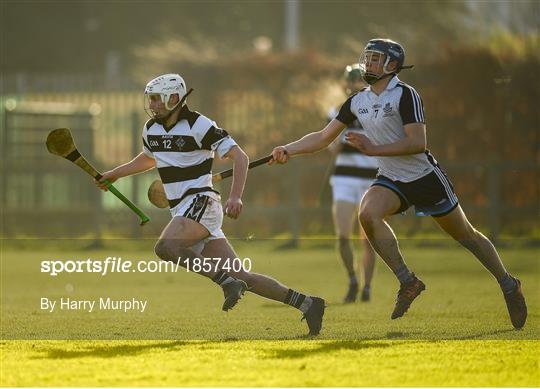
(164,119)
(372,80)
(387,75)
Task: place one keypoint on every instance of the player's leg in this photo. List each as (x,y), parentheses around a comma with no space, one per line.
(368,254)
(368,265)
(343,214)
(257,283)
(201,217)
(458,227)
(176,240)
(265,286)
(378,203)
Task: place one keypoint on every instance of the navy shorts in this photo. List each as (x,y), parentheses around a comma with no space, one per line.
(431,195)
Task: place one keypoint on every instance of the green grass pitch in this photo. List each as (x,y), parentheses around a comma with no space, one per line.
(456,334)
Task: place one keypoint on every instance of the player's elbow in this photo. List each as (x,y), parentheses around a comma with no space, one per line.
(420,146)
(149,162)
(325,140)
(240,158)
(416,135)
(416,144)
(144,161)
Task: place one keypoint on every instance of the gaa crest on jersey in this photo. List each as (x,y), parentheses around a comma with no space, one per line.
(363,111)
(387,110)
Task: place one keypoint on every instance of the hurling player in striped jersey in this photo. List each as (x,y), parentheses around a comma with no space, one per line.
(181,144)
(352,176)
(392,114)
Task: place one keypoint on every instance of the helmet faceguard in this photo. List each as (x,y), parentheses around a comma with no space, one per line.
(165,87)
(387,51)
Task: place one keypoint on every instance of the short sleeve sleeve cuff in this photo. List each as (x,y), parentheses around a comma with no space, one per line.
(223,146)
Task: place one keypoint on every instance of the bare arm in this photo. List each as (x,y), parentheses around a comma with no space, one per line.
(139,164)
(234,205)
(309,143)
(316,141)
(413,143)
(335,147)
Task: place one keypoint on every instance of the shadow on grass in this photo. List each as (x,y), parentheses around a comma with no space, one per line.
(483,334)
(399,335)
(391,339)
(104,351)
(325,348)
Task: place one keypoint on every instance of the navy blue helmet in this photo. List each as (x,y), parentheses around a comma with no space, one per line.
(389,51)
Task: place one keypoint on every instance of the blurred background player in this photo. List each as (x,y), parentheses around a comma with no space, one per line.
(181,144)
(352,175)
(392,114)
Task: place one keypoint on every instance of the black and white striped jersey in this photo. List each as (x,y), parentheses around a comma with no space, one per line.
(184,153)
(351,162)
(383,118)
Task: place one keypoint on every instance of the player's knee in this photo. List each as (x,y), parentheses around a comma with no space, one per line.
(368,218)
(163,249)
(465,234)
(469,237)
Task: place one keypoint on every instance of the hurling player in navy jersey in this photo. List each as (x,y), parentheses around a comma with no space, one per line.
(392,114)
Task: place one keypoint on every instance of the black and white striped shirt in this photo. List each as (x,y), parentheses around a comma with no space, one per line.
(184,153)
(383,117)
(351,162)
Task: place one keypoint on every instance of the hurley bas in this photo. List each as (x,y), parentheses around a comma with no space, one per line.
(103,304)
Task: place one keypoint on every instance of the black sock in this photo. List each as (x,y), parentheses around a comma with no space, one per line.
(221,278)
(298,300)
(403,274)
(507,283)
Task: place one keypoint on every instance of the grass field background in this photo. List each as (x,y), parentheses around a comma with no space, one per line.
(456,334)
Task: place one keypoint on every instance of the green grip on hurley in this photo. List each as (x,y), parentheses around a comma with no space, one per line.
(144,219)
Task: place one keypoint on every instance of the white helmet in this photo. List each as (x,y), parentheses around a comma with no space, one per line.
(165,86)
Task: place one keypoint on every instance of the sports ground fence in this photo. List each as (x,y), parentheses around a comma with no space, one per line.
(43,195)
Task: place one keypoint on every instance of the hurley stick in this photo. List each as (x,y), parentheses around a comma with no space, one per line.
(60,142)
(156,192)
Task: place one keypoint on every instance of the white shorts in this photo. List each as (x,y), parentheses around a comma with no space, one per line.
(350,190)
(204,208)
